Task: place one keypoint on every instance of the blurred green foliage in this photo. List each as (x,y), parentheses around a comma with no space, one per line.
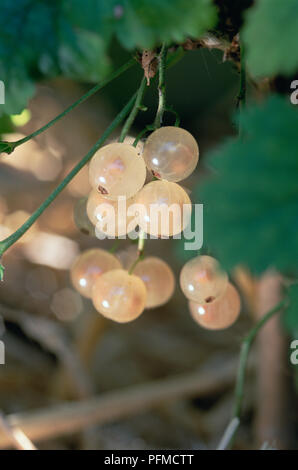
(51,37)
(251,200)
(270,33)
(291,315)
(143,23)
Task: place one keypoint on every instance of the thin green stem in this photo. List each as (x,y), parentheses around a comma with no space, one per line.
(125,130)
(231,430)
(114,246)
(172,110)
(245,348)
(81,100)
(172,60)
(129,121)
(141,246)
(161,87)
(229,434)
(142,133)
(9,241)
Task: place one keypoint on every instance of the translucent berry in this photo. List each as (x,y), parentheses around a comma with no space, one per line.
(171,153)
(90,265)
(81,218)
(110,217)
(119,296)
(117,170)
(219,314)
(158,278)
(202,280)
(165,208)
(129,139)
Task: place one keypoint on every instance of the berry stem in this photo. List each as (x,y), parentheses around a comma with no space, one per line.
(9,241)
(244,353)
(170,109)
(141,134)
(115,246)
(161,87)
(131,117)
(141,245)
(12,145)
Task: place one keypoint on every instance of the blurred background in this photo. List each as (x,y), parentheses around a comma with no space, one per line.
(59,349)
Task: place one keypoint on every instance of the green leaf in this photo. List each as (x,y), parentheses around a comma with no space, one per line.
(19,89)
(144,23)
(251,201)
(269,34)
(82,56)
(290,317)
(38,39)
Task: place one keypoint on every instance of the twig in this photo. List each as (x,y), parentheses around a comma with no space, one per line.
(96,88)
(161,87)
(239,389)
(71,417)
(132,115)
(16,435)
(141,245)
(9,241)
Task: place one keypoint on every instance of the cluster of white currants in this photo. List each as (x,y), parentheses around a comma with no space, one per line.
(213,301)
(117,294)
(119,170)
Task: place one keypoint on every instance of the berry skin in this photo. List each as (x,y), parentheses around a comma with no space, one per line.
(110,217)
(81,218)
(171,153)
(119,296)
(157,217)
(90,265)
(219,314)
(129,139)
(202,280)
(158,279)
(117,170)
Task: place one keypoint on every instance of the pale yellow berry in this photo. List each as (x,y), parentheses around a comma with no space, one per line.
(119,296)
(117,170)
(158,278)
(90,265)
(171,153)
(110,217)
(165,208)
(220,313)
(202,280)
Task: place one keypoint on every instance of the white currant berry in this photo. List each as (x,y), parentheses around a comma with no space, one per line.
(171,153)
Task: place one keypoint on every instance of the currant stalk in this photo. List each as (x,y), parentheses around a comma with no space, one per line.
(9,147)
